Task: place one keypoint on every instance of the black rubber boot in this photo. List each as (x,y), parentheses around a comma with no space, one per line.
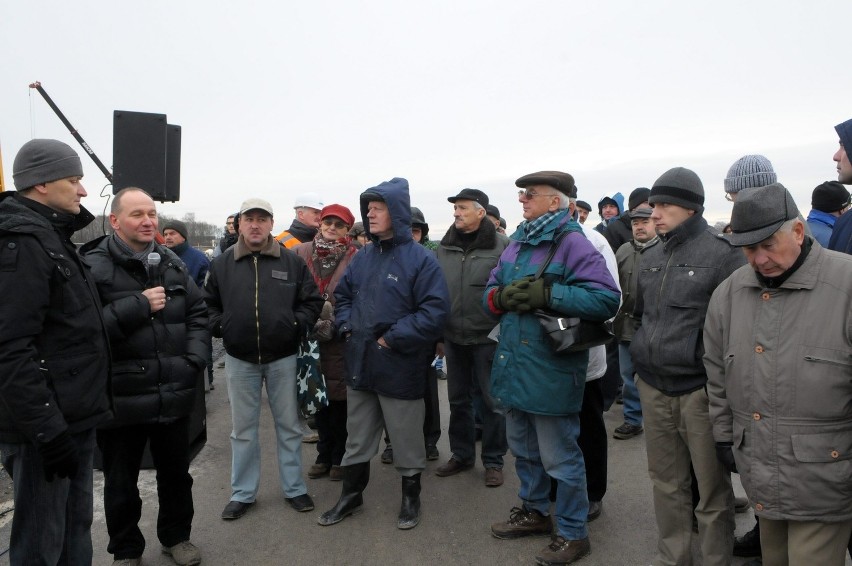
(409,511)
(355,479)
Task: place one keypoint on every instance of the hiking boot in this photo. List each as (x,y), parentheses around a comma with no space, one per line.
(451,468)
(318,470)
(336,473)
(493,477)
(522,523)
(184,553)
(561,551)
(627,430)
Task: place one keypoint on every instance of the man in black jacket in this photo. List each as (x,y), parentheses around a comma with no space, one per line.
(262,299)
(157,324)
(54,358)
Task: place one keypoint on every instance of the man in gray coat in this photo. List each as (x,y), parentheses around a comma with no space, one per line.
(778,343)
(467,254)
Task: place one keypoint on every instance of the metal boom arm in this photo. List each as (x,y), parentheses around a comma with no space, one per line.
(37,85)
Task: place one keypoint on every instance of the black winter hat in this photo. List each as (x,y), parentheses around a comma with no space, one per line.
(830,196)
(584,205)
(471,194)
(637,197)
(679,186)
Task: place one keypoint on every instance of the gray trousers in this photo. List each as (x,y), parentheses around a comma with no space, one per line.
(800,543)
(368,412)
(678,432)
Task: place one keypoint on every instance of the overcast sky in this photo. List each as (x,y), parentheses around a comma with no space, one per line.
(278,98)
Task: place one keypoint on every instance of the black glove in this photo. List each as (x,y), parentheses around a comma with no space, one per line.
(725,454)
(59,457)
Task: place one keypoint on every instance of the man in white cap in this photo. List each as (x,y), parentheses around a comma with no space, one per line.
(260,347)
(304,227)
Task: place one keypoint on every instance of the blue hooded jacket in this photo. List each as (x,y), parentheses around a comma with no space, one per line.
(393,289)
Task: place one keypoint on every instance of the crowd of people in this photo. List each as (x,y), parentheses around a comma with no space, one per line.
(730,353)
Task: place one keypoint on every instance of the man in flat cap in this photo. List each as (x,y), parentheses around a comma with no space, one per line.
(54,358)
(542,392)
(778,345)
(467,254)
(677,276)
(261,343)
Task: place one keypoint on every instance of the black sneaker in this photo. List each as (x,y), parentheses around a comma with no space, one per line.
(301,503)
(627,430)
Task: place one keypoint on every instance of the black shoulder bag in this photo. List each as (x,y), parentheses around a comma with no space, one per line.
(569,334)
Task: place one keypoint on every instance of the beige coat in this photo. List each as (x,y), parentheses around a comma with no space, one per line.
(779,366)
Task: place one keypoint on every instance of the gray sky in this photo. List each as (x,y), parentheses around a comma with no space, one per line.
(277,98)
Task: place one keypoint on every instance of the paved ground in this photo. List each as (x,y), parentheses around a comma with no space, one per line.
(457,512)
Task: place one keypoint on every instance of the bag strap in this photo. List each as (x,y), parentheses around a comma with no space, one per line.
(554,245)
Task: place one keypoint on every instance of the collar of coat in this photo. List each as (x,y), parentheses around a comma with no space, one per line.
(684,231)
(271,248)
(486,236)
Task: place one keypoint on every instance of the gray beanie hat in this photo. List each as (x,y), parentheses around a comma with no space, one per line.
(41,161)
(749,171)
(178,227)
(679,186)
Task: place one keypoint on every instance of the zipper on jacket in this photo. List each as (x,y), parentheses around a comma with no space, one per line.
(824,361)
(659,301)
(257,307)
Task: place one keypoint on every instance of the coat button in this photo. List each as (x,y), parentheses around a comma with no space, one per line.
(759,507)
(835,454)
(765,296)
(756,416)
(758,349)
(12,245)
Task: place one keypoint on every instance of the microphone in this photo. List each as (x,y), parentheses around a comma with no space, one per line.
(153,269)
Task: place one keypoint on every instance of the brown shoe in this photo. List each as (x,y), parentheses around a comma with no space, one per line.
(452,467)
(522,523)
(493,477)
(336,473)
(561,551)
(318,470)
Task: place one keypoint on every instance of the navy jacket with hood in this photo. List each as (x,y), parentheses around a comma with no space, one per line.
(392,289)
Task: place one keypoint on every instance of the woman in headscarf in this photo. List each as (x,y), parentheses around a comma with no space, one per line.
(327,257)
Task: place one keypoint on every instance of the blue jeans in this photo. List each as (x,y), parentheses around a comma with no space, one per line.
(630,394)
(546,447)
(469,371)
(53,520)
(245,382)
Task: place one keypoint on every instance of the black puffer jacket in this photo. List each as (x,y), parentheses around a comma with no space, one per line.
(156,358)
(54,357)
(261,303)
(619,231)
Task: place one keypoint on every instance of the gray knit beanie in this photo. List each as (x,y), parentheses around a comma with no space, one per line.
(749,171)
(679,186)
(41,161)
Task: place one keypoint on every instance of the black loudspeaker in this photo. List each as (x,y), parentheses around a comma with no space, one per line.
(146,154)
(173,133)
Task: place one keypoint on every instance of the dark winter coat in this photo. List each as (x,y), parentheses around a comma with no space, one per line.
(841,235)
(466,273)
(261,303)
(619,231)
(332,365)
(157,358)
(627,257)
(393,289)
(196,262)
(677,276)
(54,357)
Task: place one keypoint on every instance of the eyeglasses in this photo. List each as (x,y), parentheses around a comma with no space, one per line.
(524,193)
(336,223)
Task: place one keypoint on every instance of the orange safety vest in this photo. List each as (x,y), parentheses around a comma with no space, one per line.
(287,239)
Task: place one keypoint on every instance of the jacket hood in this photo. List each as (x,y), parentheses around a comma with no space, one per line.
(844,131)
(395,195)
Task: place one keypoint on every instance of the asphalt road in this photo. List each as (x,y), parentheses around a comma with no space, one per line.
(456,515)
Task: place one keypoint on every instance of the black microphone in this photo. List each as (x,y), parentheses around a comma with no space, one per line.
(153,269)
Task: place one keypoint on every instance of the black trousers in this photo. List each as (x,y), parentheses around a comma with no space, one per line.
(432,421)
(331,426)
(593,438)
(611,380)
(122,450)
